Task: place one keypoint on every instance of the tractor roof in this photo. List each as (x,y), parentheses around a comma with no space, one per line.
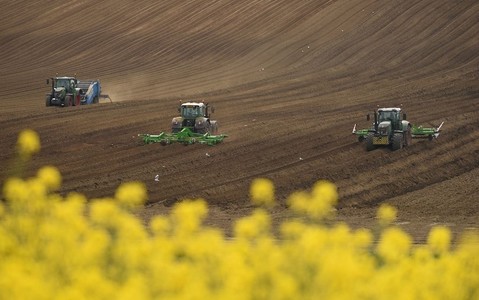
(193,104)
(389,109)
(65,77)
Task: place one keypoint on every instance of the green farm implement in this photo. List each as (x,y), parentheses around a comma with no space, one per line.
(193,126)
(430,133)
(185,136)
(390,128)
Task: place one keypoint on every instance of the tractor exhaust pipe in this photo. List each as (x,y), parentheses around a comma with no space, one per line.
(53,84)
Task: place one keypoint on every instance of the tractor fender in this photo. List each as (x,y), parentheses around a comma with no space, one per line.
(405,125)
(214,127)
(407,136)
(201,123)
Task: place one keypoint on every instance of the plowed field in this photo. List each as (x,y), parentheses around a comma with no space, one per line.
(288,79)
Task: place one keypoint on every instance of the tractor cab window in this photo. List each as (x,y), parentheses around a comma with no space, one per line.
(62,83)
(190,111)
(388,116)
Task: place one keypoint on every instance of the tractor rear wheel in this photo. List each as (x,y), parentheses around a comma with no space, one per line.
(369,142)
(214,127)
(68,101)
(408,137)
(76,100)
(397,141)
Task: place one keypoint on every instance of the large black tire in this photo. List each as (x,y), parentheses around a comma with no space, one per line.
(175,130)
(201,130)
(408,137)
(68,101)
(369,143)
(397,141)
(48,100)
(214,127)
(76,100)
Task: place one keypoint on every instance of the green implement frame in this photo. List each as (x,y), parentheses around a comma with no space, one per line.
(185,136)
(417,132)
(425,132)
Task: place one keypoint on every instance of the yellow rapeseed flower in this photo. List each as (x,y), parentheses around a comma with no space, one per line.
(250,227)
(386,214)
(131,194)
(292,229)
(363,238)
(318,204)
(104,211)
(262,192)
(51,177)
(394,244)
(298,202)
(160,225)
(439,239)
(28,143)
(188,215)
(326,191)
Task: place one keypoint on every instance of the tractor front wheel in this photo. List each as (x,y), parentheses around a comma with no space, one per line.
(397,141)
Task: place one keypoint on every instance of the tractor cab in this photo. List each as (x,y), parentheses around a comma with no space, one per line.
(196,117)
(63,83)
(193,110)
(388,118)
(392,115)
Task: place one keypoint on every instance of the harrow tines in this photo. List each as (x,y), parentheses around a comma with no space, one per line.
(185,136)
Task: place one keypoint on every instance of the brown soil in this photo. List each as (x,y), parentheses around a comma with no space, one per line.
(289,79)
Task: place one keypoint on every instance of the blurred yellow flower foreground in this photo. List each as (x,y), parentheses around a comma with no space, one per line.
(55,247)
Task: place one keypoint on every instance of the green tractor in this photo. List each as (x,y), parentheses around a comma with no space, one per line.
(64,92)
(196,117)
(193,126)
(390,128)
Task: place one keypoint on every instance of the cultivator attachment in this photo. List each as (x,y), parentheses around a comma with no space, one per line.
(360,133)
(417,132)
(420,132)
(185,136)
